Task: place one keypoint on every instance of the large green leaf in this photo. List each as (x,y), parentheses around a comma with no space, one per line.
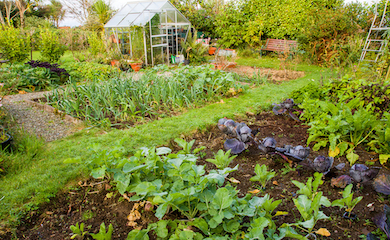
(222,199)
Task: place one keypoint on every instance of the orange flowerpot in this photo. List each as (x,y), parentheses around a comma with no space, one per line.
(212,50)
(136,66)
(114,63)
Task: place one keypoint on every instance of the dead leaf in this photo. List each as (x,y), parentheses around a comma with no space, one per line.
(49,213)
(109,195)
(233,180)
(126,197)
(323,232)
(280,213)
(335,152)
(221,101)
(256,191)
(275,183)
(22,92)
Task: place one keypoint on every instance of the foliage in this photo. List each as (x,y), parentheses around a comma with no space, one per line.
(31,77)
(221,159)
(263,176)
(103,234)
(96,44)
(187,146)
(328,37)
(345,113)
(50,47)
(150,96)
(309,202)
(47,175)
(201,14)
(347,201)
(382,221)
(84,71)
(341,128)
(174,182)
(78,231)
(99,14)
(15,44)
(380,142)
(194,51)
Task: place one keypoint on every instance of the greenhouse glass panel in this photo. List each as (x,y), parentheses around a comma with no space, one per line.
(153,28)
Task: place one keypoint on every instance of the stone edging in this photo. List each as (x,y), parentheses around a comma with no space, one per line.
(49,108)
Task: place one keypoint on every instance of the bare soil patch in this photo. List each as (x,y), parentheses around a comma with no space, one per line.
(272,74)
(90,201)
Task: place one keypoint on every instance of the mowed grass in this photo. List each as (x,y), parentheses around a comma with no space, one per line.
(44,174)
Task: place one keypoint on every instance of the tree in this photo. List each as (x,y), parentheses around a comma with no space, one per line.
(99,14)
(22,7)
(56,11)
(79,9)
(9,11)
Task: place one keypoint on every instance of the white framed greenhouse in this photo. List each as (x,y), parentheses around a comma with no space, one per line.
(150,31)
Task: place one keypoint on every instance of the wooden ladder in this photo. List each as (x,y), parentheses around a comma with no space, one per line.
(375,41)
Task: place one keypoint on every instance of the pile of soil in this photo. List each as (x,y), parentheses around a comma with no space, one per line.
(93,202)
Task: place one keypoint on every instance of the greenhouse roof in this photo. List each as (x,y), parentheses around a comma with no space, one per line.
(139,13)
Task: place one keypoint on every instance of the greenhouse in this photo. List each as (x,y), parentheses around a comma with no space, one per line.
(150,31)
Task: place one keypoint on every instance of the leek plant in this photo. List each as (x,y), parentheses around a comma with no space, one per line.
(153,95)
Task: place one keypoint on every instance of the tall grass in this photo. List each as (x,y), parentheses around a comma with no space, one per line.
(153,95)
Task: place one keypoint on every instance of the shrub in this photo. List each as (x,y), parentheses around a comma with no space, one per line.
(30,77)
(90,71)
(328,39)
(15,45)
(50,47)
(96,44)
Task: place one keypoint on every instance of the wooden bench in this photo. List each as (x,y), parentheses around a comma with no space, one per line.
(279,45)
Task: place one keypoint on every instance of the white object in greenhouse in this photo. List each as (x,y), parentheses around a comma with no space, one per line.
(163,28)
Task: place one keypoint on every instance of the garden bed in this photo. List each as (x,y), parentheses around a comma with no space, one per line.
(93,201)
(271,74)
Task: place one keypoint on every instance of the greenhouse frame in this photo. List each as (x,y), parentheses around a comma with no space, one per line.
(148,30)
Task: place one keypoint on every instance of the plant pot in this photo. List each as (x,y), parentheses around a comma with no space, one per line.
(5,144)
(186,61)
(218,66)
(212,50)
(115,63)
(136,66)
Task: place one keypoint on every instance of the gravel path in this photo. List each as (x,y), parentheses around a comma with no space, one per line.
(44,124)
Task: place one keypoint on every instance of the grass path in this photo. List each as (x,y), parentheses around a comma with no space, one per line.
(45,175)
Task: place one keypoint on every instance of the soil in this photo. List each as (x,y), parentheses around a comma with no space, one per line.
(271,74)
(93,202)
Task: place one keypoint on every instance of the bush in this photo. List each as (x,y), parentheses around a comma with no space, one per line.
(28,78)
(96,44)
(90,71)
(329,39)
(50,47)
(15,45)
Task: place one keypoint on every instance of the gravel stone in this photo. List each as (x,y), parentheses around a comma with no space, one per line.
(46,125)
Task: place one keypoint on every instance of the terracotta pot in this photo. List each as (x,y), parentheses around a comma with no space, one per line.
(136,66)
(115,63)
(212,50)
(232,65)
(218,66)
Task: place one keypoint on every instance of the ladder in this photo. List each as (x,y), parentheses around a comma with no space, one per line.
(375,42)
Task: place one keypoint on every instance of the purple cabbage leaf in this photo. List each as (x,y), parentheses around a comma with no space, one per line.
(382,184)
(382,220)
(234,145)
(361,173)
